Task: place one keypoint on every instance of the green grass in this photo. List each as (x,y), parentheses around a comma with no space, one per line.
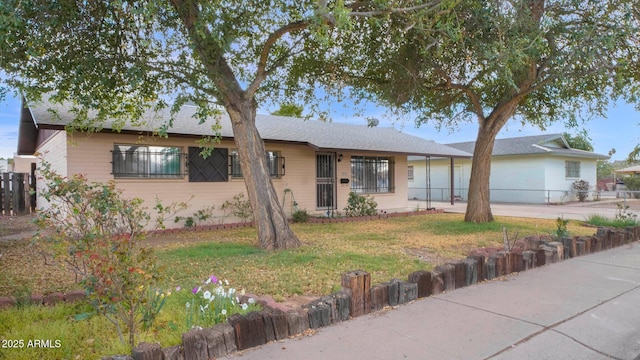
(381,247)
(599,220)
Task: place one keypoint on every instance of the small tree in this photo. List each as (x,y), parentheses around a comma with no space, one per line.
(97,234)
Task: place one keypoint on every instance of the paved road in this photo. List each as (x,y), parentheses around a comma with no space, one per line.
(583,308)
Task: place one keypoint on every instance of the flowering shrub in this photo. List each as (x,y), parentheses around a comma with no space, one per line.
(97,234)
(213,302)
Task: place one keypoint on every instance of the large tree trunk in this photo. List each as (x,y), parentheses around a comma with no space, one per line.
(479,203)
(270,219)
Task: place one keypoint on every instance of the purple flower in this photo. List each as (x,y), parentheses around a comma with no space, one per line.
(178,288)
(214,279)
(195,290)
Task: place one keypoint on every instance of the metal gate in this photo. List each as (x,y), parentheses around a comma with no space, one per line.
(325,181)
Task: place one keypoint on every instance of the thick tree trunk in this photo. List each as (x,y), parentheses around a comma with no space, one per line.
(271,221)
(479,203)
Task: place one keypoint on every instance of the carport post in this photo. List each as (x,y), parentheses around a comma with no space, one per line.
(452,181)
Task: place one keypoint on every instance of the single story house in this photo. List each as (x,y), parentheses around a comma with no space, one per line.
(314,164)
(530,169)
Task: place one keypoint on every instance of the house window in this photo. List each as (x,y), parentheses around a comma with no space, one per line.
(410,172)
(275,163)
(572,169)
(370,174)
(135,161)
(215,168)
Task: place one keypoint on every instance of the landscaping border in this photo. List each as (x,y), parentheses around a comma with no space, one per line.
(358,297)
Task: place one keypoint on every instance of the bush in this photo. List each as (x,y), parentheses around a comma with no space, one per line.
(300,216)
(97,234)
(238,207)
(632,183)
(360,205)
(581,187)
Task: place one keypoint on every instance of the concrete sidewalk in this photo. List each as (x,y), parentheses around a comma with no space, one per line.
(583,308)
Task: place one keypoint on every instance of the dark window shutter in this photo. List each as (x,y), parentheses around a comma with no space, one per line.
(214,168)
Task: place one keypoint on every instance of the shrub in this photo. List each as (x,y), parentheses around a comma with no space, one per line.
(204,215)
(239,207)
(561,228)
(97,234)
(360,205)
(300,216)
(632,183)
(581,187)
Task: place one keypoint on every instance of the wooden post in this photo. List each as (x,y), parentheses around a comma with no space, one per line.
(7,199)
(216,346)
(297,321)
(490,268)
(280,325)
(379,297)
(448,272)
(393,289)
(250,330)
(480,260)
(437,282)
(423,279)
(342,303)
(460,271)
(147,351)
(194,343)
(471,271)
(358,285)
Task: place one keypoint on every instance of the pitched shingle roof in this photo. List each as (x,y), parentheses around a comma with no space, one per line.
(551,144)
(317,134)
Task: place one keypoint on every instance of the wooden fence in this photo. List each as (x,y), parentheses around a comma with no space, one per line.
(15,194)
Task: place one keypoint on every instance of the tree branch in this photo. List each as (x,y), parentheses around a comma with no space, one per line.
(262,72)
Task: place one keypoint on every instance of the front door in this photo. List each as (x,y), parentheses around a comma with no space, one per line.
(326,181)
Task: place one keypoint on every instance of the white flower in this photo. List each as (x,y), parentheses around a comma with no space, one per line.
(207,295)
(251,300)
(188,304)
(245,306)
(208,281)
(224,312)
(232,291)
(226,281)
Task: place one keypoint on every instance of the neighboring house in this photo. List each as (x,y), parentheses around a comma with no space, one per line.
(317,163)
(530,169)
(4,165)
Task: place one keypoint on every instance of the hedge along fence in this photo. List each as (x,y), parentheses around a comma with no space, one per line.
(358,297)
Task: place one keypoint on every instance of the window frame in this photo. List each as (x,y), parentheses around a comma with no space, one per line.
(380,164)
(572,169)
(147,164)
(275,163)
(410,173)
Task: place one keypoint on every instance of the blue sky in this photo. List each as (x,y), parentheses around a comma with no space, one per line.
(620,130)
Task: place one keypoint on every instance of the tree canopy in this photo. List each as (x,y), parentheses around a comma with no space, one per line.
(122,58)
(533,61)
(579,141)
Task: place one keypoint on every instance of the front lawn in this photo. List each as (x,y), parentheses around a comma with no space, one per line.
(390,248)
